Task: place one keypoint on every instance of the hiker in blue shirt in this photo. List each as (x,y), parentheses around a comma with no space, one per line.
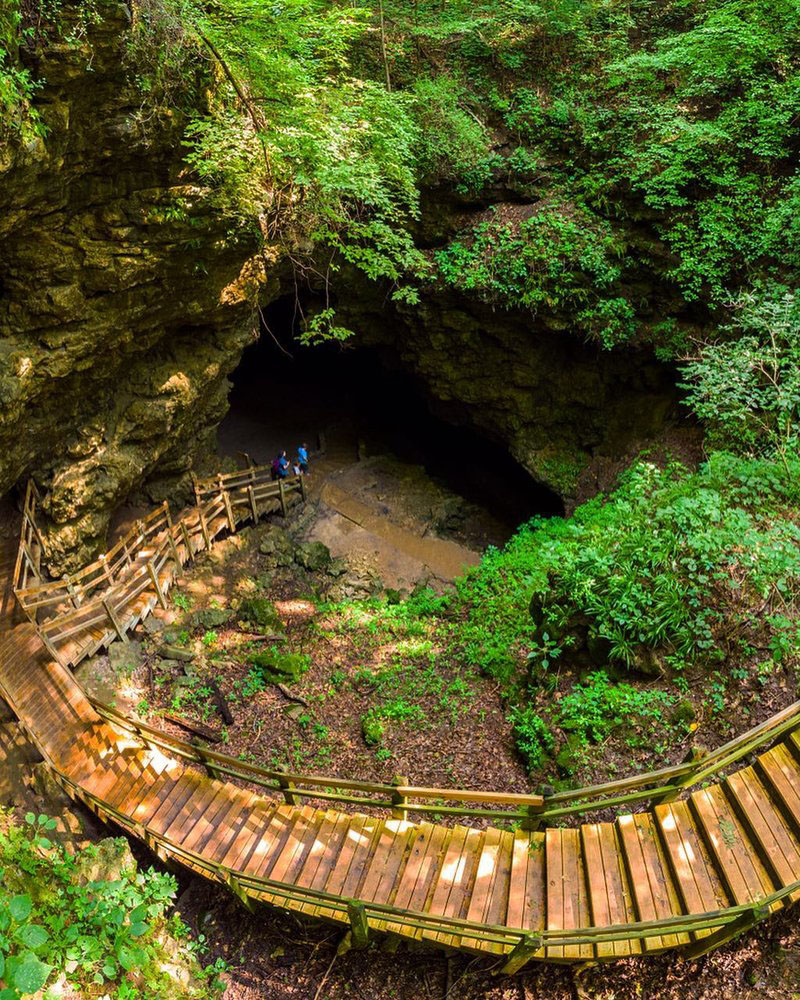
(302,458)
(283,465)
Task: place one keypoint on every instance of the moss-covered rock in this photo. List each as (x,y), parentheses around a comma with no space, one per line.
(279,667)
(259,611)
(313,556)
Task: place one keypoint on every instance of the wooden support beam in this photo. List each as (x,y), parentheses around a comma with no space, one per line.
(151,569)
(235,886)
(521,954)
(204,526)
(359,925)
(287,788)
(282,496)
(115,622)
(171,537)
(187,540)
(252,494)
(744,923)
(226,497)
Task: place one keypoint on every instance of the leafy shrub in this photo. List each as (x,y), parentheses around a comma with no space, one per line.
(659,564)
(746,389)
(55,920)
(560,257)
(595,708)
(532,736)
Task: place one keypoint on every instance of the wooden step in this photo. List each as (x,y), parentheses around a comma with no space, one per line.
(567,901)
(699,885)
(610,900)
(655,896)
(732,851)
(777,846)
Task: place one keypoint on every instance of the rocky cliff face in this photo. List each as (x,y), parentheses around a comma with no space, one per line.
(124,305)
(122,300)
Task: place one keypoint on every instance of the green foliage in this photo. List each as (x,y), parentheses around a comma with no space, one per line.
(660,564)
(100,935)
(746,388)
(452,143)
(297,148)
(560,258)
(532,736)
(594,709)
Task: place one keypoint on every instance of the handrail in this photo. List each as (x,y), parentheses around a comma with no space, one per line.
(508,937)
(398,797)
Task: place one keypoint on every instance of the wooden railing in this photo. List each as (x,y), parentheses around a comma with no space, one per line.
(90,608)
(401,798)
(667,783)
(243,490)
(529,811)
(31,546)
(520,944)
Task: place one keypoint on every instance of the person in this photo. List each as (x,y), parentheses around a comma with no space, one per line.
(283,465)
(302,458)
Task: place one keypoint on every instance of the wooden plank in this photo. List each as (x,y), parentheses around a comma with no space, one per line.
(322,857)
(783,779)
(769,831)
(654,895)
(609,895)
(699,885)
(415,890)
(567,903)
(742,873)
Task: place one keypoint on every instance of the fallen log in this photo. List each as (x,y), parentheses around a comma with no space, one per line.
(193,727)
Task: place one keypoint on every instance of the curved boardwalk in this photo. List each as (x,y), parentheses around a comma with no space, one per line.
(689,874)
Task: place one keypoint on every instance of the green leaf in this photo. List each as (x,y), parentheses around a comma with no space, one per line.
(139,928)
(20,908)
(33,936)
(138,913)
(31,974)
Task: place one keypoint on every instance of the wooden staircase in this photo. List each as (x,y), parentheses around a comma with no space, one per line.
(689,874)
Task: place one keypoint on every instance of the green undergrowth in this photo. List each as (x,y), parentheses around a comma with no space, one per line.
(665,571)
(593,625)
(92,922)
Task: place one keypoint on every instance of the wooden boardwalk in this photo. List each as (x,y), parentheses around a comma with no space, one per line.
(690,873)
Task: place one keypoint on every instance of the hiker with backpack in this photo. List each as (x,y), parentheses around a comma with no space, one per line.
(302,459)
(280,466)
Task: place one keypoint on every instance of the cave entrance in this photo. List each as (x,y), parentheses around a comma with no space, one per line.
(284,394)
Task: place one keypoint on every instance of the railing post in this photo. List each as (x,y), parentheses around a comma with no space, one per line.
(358,935)
(235,886)
(696,755)
(204,526)
(116,623)
(171,536)
(253,506)
(226,499)
(399,801)
(282,496)
(187,541)
(73,594)
(522,952)
(531,820)
(303,487)
(287,788)
(106,570)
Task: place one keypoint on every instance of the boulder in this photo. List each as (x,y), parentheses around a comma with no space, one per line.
(259,611)
(313,556)
(125,657)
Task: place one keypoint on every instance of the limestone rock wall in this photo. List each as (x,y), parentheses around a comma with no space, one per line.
(121,302)
(563,409)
